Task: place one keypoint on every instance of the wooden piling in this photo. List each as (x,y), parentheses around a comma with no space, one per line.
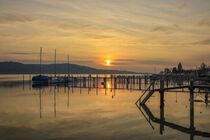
(115,83)
(105,82)
(139,83)
(191,88)
(161,106)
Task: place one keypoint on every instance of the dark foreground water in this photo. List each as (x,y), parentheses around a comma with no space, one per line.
(58,112)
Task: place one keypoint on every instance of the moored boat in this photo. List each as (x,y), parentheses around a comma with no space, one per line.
(41,79)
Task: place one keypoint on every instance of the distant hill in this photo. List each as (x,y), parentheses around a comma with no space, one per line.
(19,68)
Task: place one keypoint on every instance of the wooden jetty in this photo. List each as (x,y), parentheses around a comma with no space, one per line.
(193,88)
(192,85)
(148,115)
(128,81)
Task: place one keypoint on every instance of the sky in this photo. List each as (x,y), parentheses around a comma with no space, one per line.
(134,35)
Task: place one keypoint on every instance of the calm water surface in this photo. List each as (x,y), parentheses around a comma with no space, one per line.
(61,112)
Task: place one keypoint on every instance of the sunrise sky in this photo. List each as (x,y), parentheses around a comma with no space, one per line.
(135,35)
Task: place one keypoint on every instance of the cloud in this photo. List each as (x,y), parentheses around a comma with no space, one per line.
(97,35)
(166,29)
(27,53)
(157,62)
(204,57)
(121,62)
(22,53)
(181,3)
(204,22)
(154,62)
(125,60)
(14,17)
(203,42)
(71,24)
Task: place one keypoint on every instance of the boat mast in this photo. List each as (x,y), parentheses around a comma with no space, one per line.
(55,64)
(40,61)
(68,65)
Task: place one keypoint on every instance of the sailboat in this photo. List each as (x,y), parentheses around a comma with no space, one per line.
(55,79)
(59,79)
(41,78)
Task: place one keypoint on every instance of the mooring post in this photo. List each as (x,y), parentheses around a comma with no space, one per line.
(97,80)
(134,80)
(206,96)
(29,81)
(84,81)
(137,79)
(88,81)
(162,119)
(127,83)
(105,82)
(191,88)
(72,81)
(139,83)
(145,80)
(111,80)
(167,82)
(131,82)
(105,85)
(94,82)
(115,83)
(80,80)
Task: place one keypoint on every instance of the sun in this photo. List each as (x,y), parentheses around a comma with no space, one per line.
(108,62)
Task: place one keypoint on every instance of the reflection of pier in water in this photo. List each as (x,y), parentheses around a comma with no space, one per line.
(91,84)
(98,83)
(150,117)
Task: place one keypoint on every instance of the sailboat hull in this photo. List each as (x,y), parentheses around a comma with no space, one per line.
(41,79)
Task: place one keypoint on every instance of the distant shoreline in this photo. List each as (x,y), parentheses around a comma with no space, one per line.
(20,68)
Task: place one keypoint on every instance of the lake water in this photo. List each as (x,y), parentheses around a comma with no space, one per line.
(59,112)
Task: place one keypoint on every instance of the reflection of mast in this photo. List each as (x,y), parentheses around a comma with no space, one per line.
(88,90)
(55,101)
(68,97)
(40,103)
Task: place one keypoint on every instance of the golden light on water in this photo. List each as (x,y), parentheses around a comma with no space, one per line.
(108,62)
(108,85)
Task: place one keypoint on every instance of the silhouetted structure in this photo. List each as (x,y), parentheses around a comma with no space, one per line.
(180,69)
